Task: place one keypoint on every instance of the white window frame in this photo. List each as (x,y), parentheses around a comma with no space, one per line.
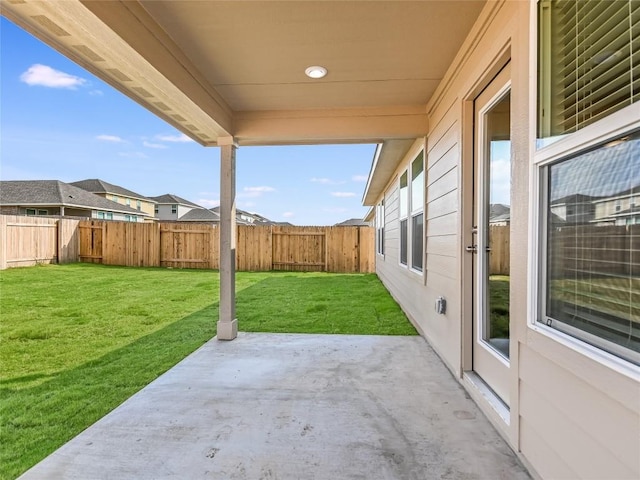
(412,212)
(415,211)
(380,225)
(174,208)
(615,125)
(404,217)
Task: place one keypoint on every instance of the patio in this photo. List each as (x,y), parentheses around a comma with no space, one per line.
(269,406)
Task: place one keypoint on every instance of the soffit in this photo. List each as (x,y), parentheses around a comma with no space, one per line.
(229,68)
(388,155)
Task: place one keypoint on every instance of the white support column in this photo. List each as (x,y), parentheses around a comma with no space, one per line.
(227,322)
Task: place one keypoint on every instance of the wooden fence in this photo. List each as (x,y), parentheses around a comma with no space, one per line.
(499,244)
(26,241)
(258,248)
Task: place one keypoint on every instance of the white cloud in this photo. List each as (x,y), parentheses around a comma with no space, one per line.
(45,76)
(251,192)
(343,194)
(110,138)
(133,155)
(182,138)
(247,204)
(325,181)
(208,203)
(359,178)
(153,145)
(288,214)
(96,93)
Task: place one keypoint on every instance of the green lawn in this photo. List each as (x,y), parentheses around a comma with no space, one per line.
(499,305)
(77,340)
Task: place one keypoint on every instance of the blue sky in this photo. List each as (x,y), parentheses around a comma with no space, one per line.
(57,121)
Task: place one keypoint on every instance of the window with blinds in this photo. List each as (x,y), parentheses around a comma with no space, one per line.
(588,62)
(592,281)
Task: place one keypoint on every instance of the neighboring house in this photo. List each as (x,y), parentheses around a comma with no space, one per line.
(246,218)
(574,209)
(499,215)
(619,209)
(200,215)
(172,207)
(53,197)
(118,194)
(547,87)
(353,222)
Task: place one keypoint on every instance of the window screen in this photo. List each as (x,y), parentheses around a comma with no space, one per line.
(589,62)
(403,241)
(592,283)
(417,242)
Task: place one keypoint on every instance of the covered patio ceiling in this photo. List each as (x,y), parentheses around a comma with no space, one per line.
(216,69)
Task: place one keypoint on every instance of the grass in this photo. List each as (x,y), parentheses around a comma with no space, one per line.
(499,305)
(77,340)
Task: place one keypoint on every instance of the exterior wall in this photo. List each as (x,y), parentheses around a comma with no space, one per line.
(183,209)
(164,213)
(9,210)
(571,414)
(76,212)
(145,205)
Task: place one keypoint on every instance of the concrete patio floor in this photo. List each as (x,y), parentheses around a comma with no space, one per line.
(280,406)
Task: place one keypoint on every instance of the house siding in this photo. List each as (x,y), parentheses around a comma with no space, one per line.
(145,206)
(571,415)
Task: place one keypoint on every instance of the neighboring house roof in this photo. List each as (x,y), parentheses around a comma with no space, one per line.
(56,193)
(169,198)
(353,222)
(496,209)
(95,185)
(257,219)
(200,215)
(575,198)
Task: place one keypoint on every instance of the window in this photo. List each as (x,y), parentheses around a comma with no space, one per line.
(404,210)
(128,202)
(109,216)
(411,214)
(592,283)
(101,215)
(417,207)
(174,208)
(380,228)
(588,270)
(43,212)
(138,204)
(134,218)
(30,211)
(587,62)
(114,198)
(156,210)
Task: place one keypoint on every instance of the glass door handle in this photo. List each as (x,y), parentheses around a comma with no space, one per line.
(471,248)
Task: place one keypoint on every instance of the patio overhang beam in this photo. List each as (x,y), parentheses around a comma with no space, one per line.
(354,125)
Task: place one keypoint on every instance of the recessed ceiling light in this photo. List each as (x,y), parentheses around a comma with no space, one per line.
(315,71)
